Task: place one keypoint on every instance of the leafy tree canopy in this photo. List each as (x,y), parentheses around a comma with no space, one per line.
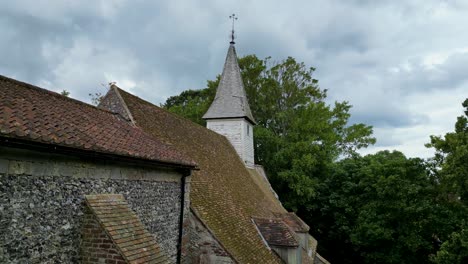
(298,135)
(454,250)
(452,157)
(381,208)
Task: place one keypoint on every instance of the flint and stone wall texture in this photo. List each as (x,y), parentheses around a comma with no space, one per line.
(42,209)
(203,246)
(113,102)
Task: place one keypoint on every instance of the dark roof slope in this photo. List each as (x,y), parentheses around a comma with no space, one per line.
(224,193)
(30,113)
(293,221)
(276,232)
(231,99)
(125,229)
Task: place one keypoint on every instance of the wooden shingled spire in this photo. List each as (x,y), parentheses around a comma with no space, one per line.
(230,100)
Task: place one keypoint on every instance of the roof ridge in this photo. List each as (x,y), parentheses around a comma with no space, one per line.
(116,89)
(77,126)
(267,218)
(52,93)
(219,165)
(166,111)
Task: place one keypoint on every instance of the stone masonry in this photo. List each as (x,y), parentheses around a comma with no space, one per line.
(42,210)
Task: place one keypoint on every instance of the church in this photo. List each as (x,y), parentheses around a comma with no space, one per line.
(129,182)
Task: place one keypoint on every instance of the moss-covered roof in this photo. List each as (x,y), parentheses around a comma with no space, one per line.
(224,192)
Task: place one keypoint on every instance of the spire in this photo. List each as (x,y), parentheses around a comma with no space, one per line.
(230,100)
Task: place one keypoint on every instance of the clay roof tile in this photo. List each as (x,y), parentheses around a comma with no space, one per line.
(33,114)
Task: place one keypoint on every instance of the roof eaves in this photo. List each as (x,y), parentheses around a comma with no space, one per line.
(26,143)
(51,93)
(232,117)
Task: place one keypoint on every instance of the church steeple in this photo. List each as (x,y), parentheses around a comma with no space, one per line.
(229,114)
(230,100)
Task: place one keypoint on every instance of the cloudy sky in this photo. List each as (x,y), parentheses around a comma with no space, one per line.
(403,66)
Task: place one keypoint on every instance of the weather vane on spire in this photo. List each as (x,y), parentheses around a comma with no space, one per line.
(233,17)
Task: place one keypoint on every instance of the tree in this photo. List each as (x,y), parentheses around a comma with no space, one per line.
(298,135)
(381,208)
(192,104)
(451,169)
(452,158)
(454,250)
(65,93)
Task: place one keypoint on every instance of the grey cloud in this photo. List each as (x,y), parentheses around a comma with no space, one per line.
(20,47)
(387,118)
(448,75)
(157,49)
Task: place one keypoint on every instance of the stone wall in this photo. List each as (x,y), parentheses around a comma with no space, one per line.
(203,247)
(41,203)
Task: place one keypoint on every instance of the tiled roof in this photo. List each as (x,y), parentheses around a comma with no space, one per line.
(294,222)
(230,100)
(125,229)
(30,113)
(223,192)
(276,232)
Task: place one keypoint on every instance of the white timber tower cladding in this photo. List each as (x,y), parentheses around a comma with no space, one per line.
(230,114)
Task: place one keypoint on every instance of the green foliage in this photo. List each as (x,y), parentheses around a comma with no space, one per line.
(65,93)
(450,167)
(380,208)
(452,158)
(192,104)
(298,136)
(454,250)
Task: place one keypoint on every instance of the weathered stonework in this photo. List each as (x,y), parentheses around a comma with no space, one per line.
(113,102)
(203,246)
(41,203)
